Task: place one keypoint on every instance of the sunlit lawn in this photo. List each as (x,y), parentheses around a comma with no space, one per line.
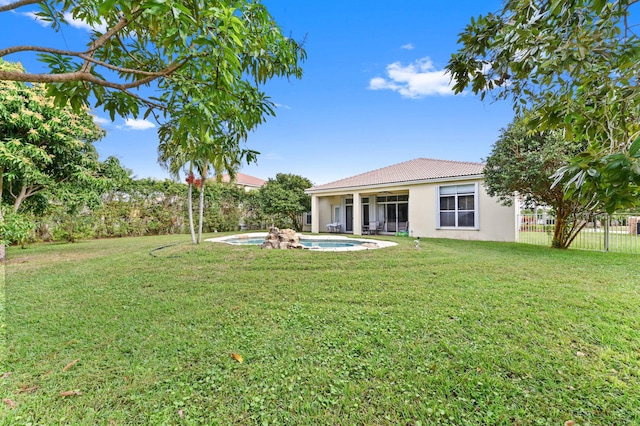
(454,332)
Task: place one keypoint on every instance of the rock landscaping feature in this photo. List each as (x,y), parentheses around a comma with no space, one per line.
(282,239)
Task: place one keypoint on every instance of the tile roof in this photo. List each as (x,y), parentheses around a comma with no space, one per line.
(245,180)
(408,171)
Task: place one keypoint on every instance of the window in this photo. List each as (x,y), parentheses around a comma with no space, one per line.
(308,218)
(457,206)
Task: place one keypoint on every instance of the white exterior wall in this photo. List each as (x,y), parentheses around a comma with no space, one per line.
(324,216)
(495,222)
(422,213)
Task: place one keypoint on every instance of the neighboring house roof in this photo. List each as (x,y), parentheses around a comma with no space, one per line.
(245,180)
(419,169)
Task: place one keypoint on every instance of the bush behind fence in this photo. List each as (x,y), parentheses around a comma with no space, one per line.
(616,233)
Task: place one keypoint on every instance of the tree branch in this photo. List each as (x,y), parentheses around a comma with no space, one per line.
(19,198)
(146,101)
(85,76)
(133,58)
(33,188)
(100,41)
(16,49)
(95,45)
(12,6)
(80,55)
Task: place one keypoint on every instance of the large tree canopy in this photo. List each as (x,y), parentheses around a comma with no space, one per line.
(190,50)
(522,163)
(42,145)
(204,60)
(574,65)
(285,196)
(210,153)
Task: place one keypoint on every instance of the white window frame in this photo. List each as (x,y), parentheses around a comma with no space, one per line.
(476,223)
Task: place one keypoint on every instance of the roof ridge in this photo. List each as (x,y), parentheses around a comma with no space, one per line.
(410,170)
(366,173)
(449,161)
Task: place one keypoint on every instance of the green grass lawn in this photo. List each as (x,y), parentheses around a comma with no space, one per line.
(452,333)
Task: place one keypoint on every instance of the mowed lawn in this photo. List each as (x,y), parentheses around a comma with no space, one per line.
(102,332)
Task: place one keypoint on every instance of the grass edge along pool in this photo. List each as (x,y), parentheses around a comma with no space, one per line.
(316,243)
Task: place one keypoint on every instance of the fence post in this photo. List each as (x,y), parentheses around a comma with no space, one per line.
(607,219)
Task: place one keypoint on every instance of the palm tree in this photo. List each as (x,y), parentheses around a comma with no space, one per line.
(174,157)
(220,154)
(204,138)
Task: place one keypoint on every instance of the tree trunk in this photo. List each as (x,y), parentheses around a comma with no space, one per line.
(560,236)
(294,219)
(569,223)
(203,177)
(201,206)
(201,213)
(2,246)
(20,198)
(2,242)
(190,208)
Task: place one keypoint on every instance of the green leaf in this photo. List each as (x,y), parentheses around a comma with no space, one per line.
(106,7)
(593,172)
(634,149)
(598,5)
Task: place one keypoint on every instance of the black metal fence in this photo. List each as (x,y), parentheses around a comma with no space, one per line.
(616,233)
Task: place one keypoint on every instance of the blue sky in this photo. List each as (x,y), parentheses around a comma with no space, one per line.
(373,92)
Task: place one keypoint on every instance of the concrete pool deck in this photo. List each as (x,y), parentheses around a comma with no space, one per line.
(370,244)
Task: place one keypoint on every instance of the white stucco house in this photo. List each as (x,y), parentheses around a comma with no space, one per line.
(424,197)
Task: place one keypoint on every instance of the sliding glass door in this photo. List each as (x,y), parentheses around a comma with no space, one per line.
(349,219)
(393,212)
(390,217)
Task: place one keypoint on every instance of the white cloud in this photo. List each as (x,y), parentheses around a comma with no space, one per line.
(271,156)
(36,18)
(416,80)
(407,46)
(282,106)
(77,23)
(101,121)
(134,124)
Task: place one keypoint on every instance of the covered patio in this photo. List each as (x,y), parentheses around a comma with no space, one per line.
(363,213)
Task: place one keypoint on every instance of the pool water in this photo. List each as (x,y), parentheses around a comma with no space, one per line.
(307,243)
(245,241)
(315,243)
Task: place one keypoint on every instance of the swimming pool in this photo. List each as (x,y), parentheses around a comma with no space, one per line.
(313,242)
(309,243)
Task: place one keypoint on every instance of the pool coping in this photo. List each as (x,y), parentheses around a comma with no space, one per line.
(378,243)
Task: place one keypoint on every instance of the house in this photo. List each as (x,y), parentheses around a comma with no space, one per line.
(247,182)
(423,197)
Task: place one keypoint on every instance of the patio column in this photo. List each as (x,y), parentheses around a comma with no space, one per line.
(315,215)
(357,214)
